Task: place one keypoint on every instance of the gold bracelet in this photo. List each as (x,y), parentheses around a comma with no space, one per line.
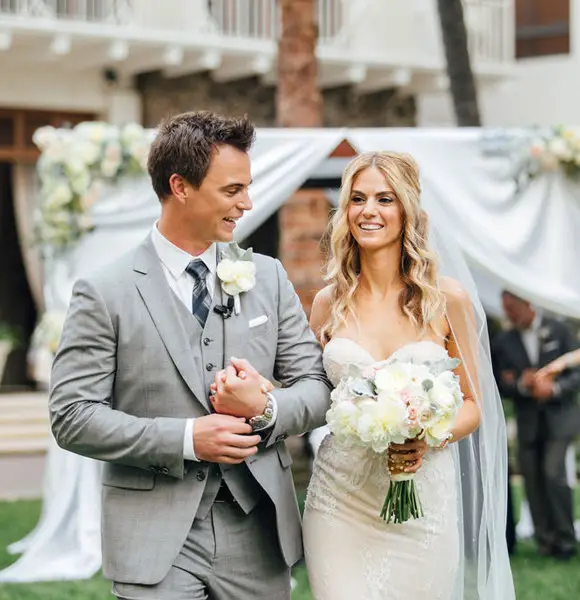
(447,440)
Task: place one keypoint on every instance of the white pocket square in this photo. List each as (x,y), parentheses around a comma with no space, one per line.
(549,346)
(257,321)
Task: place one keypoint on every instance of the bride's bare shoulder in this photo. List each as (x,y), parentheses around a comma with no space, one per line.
(321,307)
(455,293)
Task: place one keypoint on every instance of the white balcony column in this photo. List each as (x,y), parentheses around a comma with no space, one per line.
(123,105)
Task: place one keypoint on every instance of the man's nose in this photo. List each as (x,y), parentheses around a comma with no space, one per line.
(246,202)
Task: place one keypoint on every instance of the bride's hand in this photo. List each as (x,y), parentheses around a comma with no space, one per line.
(407,457)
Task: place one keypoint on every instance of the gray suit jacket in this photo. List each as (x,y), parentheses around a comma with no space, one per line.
(125,379)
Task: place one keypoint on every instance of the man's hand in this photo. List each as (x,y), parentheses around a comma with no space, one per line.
(407,457)
(543,389)
(528,379)
(223,439)
(239,396)
(508,377)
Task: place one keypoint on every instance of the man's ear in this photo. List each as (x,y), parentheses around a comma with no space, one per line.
(178,187)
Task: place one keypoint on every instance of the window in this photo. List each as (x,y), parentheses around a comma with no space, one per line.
(542,27)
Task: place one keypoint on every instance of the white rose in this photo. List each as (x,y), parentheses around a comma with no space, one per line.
(342,419)
(442,396)
(132,132)
(88,151)
(109,168)
(95,131)
(55,152)
(383,422)
(140,152)
(44,137)
(392,377)
(236,276)
(436,433)
(560,149)
(80,183)
(59,197)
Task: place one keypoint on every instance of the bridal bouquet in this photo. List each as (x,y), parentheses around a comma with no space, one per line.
(391,402)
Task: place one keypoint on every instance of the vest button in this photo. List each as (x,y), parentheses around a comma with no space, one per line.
(200,475)
(207,341)
(209,366)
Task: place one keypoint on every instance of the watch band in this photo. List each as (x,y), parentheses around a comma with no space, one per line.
(262,421)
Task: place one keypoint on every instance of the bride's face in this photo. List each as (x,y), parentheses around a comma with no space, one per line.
(374,212)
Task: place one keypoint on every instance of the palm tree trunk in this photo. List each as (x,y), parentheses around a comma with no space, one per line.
(298,99)
(303,218)
(461,79)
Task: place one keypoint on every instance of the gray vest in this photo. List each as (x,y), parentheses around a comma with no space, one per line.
(241,483)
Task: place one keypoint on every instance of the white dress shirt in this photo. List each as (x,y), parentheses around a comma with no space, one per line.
(174,261)
(531,340)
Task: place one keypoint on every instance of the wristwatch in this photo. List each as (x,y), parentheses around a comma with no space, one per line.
(262,421)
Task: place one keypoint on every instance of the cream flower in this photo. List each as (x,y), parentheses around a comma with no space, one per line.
(236,276)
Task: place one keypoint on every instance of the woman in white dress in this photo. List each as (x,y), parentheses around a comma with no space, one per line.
(386,299)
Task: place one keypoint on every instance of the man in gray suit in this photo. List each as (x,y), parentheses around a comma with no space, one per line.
(196,503)
(548,418)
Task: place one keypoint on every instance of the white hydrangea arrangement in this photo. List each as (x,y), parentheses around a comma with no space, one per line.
(73,166)
(559,150)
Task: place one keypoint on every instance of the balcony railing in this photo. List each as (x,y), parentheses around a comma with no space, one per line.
(261,18)
(490,25)
(91,11)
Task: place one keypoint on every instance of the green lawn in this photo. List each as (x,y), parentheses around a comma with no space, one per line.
(536,577)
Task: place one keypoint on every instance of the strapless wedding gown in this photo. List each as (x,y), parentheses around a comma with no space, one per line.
(351,553)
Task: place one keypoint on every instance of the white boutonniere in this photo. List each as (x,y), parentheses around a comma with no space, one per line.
(237,272)
(544,333)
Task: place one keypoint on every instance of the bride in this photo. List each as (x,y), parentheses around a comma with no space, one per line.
(386,299)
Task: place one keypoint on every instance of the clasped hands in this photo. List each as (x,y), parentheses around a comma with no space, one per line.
(538,383)
(237,394)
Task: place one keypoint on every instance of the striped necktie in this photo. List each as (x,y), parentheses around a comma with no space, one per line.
(200,298)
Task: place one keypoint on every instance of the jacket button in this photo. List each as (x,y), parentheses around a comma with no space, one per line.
(200,475)
(209,366)
(207,341)
(164,471)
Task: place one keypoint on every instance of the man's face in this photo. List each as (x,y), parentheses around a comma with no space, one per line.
(519,312)
(213,210)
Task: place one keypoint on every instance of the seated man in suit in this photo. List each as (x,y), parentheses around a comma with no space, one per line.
(548,418)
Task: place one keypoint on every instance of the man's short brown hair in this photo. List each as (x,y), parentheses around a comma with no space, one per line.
(185,144)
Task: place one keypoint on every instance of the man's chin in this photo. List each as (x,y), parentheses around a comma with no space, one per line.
(224,236)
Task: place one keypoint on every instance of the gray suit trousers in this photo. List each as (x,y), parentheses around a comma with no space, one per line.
(228,555)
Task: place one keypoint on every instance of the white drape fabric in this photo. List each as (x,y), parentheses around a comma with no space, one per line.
(25,191)
(523,240)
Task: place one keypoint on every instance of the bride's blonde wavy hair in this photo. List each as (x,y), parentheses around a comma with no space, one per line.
(421,300)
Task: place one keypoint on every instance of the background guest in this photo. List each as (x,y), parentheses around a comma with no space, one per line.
(547,416)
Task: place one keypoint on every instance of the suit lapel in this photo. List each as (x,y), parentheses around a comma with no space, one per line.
(234,330)
(161,305)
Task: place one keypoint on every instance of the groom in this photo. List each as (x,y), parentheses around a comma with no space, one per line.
(196,503)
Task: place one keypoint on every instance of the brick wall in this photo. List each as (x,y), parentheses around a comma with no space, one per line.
(343,106)
(303,220)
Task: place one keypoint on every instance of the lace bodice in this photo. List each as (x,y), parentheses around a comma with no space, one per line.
(340,353)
